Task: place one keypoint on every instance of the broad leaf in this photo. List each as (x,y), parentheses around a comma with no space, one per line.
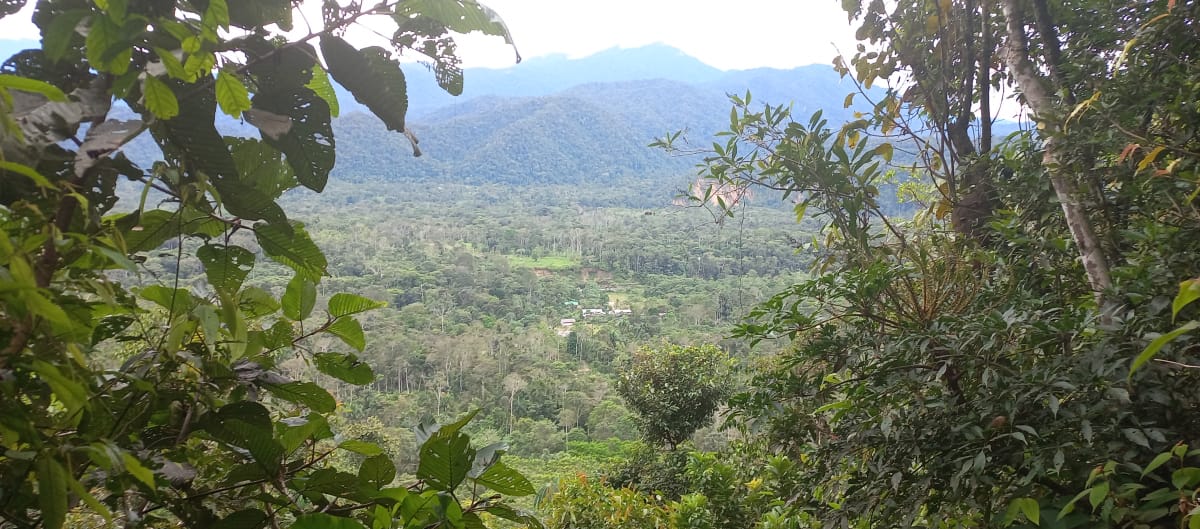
(345,304)
(52,491)
(505,480)
(232,95)
(445,460)
(290,246)
(361,447)
(350,331)
(305,393)
(377,471)
(246,425)
(225,266)
(159,98)
(299,298)
(345,367)
(371,76)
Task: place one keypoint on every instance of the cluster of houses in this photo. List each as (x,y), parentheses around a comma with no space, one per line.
(565,324)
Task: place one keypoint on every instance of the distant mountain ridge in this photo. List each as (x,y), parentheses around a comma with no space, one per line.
(554,119)
(571,120)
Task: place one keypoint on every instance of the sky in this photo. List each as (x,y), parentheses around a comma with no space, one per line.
(728,35)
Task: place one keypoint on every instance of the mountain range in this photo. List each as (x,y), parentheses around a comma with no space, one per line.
(555,119)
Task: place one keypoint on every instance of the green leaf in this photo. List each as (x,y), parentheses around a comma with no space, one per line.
(350,331)
(377,471)
(371,76)
(232,95)
(57,36)
(244,519)
(325,521)
(246,425)
(459,16)
(72,394)
(159,98)
(1186,478)
(225,266)
(299,298)
(345,304)
(52,491)
(139,471)
(292,117)
(177,301)
(361,447)
(108,49)
(321,86)
(1098,494)
(305,393)
(15,82)
(1189,291)
(1158,461)
(1029,508)
(251,15)
(171,62)
(262,167)
(505,480)
(291,247)
(345,367)
(445,460)
(295,431)
(1158,344)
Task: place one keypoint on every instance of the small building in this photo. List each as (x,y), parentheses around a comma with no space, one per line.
(587,313)
(566,322)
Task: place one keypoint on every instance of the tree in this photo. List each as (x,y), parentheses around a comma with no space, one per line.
(937,374)
(162,404)
(675,389)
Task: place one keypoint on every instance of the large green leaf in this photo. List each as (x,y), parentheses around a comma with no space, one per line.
(321,86)
(505,480)
(345,304)
(192,141)
(299,298)
(246,425)
(445,460)
(377,471)
(308,139)
(225,266)
(291,246)
(371,76)
(345,367)
(350,331)
(305,393)
(52,491)
(245,518)
(232,96)
(262,166)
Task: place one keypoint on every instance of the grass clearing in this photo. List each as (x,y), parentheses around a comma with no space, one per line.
(549,262)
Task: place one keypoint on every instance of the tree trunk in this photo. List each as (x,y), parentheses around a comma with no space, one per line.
(1030,82)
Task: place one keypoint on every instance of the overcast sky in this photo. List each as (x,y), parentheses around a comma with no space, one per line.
(724,34)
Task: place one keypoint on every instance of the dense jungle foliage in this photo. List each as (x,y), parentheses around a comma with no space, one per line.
(184,341)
